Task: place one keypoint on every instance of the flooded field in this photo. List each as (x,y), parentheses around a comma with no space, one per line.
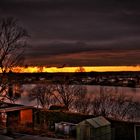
(91,90)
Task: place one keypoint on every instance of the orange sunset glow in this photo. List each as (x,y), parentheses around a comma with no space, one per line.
(35,69)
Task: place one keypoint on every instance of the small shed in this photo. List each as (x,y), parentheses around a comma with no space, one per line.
(14,116)
(94,129)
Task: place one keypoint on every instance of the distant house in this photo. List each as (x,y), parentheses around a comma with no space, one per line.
(94,129)
(16,115)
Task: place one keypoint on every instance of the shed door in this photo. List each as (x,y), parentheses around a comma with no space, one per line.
(137,132)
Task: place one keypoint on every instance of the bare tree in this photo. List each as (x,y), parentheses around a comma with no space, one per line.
(114,105)
(68,94)
(43,94)
(12,44)
(82,104)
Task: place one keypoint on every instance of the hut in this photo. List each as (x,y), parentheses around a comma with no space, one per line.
(94,129)
(15,116)
(125,130)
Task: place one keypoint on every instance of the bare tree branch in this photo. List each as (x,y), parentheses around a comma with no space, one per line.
(12,44)
(43,95)
(69,94)
(114,105)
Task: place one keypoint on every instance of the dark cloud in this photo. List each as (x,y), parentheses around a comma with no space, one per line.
(63,28)
(90,58)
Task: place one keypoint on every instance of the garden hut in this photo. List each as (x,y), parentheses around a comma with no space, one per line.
(15,116)
(94,129)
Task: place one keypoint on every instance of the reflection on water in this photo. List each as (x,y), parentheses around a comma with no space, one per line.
(91,90)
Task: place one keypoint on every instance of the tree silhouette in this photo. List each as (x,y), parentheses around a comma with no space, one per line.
(43,94)
(68,95)
(12,44)
(114,105)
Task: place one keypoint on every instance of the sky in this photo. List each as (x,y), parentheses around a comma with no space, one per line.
(78,32)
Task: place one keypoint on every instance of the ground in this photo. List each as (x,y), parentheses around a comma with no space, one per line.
(2,137)
(29,137)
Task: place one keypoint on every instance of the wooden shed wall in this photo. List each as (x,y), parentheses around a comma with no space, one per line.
(26,116)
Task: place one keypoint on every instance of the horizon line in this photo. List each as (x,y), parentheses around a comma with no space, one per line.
(53,69)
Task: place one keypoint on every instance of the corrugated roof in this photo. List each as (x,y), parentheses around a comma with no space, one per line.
(93,123)
(102,121)
(98,122)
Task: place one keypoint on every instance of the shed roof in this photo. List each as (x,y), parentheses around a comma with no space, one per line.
(7,105)
(15,108)
(98,122)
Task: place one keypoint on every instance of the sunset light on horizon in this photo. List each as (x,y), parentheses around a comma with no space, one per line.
(37,69)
